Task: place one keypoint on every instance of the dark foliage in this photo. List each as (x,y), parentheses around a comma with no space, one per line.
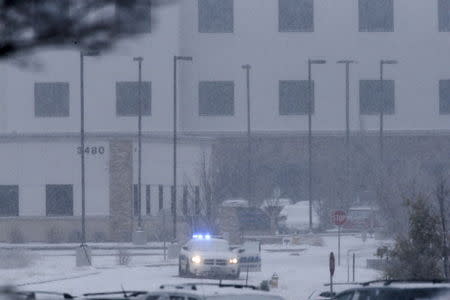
(26,25)
(418,255)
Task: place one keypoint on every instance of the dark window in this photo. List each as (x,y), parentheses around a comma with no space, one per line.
(374,94)
(9,200)
(161,197)
(59,199)
(444,15)
(296,15)
(148,207)
(51,99)
(197,201)
(444,97)
(127,102)
(135,17)
(215,16)
(216,98)
(294,97)
(185,200)
(376,15)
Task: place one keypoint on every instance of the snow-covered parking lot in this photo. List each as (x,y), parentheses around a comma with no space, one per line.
(300,272)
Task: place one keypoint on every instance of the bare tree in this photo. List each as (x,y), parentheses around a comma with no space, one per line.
(26,25)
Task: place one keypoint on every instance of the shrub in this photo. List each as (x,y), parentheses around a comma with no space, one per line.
(16,236)
(418,255)
(15,258)
(99,237)
(123,257)
(55,235)
(74,237)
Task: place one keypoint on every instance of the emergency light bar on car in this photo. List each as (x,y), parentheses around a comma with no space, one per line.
(201,236)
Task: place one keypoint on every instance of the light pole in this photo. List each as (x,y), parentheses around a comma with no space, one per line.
(247,69)
(347,121)
(310,63)
(174,194)
(139,235)
(84,257)
(381,105)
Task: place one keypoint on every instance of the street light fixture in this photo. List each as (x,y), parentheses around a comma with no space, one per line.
(84,254)
(247,69)
(347,120)
(139,237)
(175,117)
(310,63)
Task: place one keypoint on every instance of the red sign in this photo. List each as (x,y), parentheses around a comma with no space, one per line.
(339,217)
(332,264)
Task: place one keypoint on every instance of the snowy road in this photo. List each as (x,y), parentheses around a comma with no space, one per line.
(299,274)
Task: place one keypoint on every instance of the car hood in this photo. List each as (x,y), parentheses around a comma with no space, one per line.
(216,255)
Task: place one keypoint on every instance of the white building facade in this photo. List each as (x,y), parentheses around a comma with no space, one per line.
(40,107)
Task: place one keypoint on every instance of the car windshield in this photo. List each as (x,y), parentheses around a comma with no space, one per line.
(210,246)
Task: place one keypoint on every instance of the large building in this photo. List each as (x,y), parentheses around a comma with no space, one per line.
(40,107)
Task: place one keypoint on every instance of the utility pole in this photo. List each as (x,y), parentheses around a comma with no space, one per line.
(347,125)
(83,256)
(139,237)
(247,69)
(310,166)
(175,119)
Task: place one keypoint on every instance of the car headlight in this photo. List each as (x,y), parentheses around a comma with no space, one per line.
(233,260)
(196,259)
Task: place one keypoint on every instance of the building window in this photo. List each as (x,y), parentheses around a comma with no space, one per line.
(161,197)
(294,97)
(216,98)
(9,200)
(215,16)
(374,94)
(376,16)
(127,98)
(59,199)
(51,99)
(444,15)
(296,15)
(444,97)
(135,18)
(148,208)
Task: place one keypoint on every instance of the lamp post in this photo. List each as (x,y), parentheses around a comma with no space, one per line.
(139,235)
(382,104)
(175,117)
(310,63)
(247,69)
(83,257)
(347,120)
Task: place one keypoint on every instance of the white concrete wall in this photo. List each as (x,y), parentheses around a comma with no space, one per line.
(33,164)
(421,49)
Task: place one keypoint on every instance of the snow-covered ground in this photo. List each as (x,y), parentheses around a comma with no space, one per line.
(300,274)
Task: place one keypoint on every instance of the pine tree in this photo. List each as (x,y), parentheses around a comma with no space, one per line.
(418,255)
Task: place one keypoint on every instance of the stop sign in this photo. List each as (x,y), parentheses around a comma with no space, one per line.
(339,217)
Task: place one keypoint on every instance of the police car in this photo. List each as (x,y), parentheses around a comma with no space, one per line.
(205,255)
